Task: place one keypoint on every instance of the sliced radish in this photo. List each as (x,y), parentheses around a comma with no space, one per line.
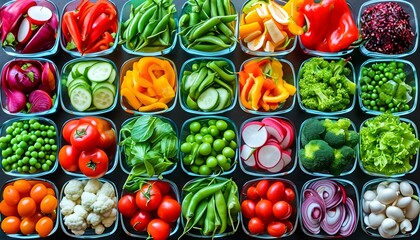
(272,140)
(274,129)
(279,166)
(286,156)
(268,156)
(39,14)
(25,31)
(251,162)
(246,152)
(254,134)
(290,135)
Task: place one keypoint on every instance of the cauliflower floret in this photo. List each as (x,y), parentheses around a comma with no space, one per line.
(79,209)
(75,222)
(112,212)
(93,186)
(79,232)
(110,217)
(107,189)
(99,229)
(73,189)
(93,219)
(88,199)
(102,204)
(67,206)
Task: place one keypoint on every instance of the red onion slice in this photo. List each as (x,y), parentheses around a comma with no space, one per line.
(329,191)
(313,211)
(334,219)
(349,224)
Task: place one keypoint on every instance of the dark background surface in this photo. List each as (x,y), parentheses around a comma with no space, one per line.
(237,115)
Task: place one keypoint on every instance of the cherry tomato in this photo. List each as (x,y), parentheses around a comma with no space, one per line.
(140,220)
(68,158)
(107,133)
(8,210)
(44,226)
(289,195)
(276,229)
(248,208)
(48,204)
(256,226)
(51,192)
(10,225)
(38,192)
(282,210)
(68,129)
(93,163)
(85,137)
(169,210)
(163,186)
(127,205)
(26,207)
(288,224)
(27,225)
(11,195)
(251,193)
(159,229)
(148,197)
(262,187)
(23,186)
(264,209)
(276,191)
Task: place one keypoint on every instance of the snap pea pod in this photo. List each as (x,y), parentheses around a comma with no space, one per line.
(221,210)
(198,214)
(209,225)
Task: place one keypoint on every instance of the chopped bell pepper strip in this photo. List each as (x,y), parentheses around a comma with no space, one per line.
(100,7)
(143,98)
(254,66)
(83,8)
(127,79)
(282,97)
(70,21)
(245,92)
(151,92)
(269,84)
(290,88)
(99,26)
(264,105)
(131,99)
(153,106)
(163,88)
(243,76)
(255,92)
(104,43)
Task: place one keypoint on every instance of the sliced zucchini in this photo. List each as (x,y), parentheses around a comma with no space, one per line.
(99,72)
(81,98)
(103,98)
(80,84)
(106,85)
(224,99)
(208,100)
(75,81)
(83,66)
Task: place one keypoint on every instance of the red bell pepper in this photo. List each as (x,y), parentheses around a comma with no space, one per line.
(11,14)
(101,6)
(99,26)
(70,21)
(106,41)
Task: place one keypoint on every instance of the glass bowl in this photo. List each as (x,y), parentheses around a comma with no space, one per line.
(290,47)
(122,136)
(413,160)
(125,222)
(372,186)
(186,9)
(293,219)
(209,136)
(90,232)
(153,51)
(411,80)
(280,133)
(184,96)
(349,108)
(348,170)
(351,193)
(54,94)
(127,69)
(71,6)
(33,181)
(289,77)
(50,48)
(72,78)
(51,164)
(112,152)
(410,10)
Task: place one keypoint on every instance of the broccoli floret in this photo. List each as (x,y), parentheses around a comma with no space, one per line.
(342,158)
(336,131)
(352,138)
(312,129)
(317,155)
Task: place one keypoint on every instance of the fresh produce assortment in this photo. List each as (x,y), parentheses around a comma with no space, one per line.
(89,146)
(150,85)
(268,26)
(339,34)
(384,87)
(210,207)
(88,206)
(326,85)
(208,25)
(388,145)
(28,146)
(267,144)
(29,86)
(269,206)
(90,27)
(386,28)
(262,86)
(150,27)
(390,207)
(208,146)
(328,145)
(328,208)
(29,207)
(149,145)
(208,85)
(29,26)
(149,207)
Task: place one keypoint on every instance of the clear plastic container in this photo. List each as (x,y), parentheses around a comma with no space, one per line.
(349,169)
(183,96)
(39,172)
(128,66)
(283,131)
(112,152)
(64,94)
(185,131)
(124,15)
(349,108)
(288,76)
(411,80)
(48,52)
(408,8)
(55,93)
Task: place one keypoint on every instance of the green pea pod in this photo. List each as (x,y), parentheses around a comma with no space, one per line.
(208,39)
(130,18)
(198,214)
(209,225)
(221,210)
(205,10)
(233,205)
(184,19)
(227,7)
(185,202)
(222,74)
(206,82)
(228,18)
(194,18)
(164,21)
(220,9)
(206,47)
(203,28)
(196,185)
(225,85)
(213,8)
(221,63)
(131,29)
(144,6)
(197,82)
(226,191)
(223,28)
(147,18)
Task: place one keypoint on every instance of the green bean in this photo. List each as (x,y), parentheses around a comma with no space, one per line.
(209,225)
(164,21)
(185,202)
(221,210)
(205,83)
(223,28)
(220,9)
(206,47)
(213,8)
(131,29)
(204,28)
(194,18)
(198,213)
(212,40)
(146,18)
(227,7)
(205,10)
(184,19)
(201,76)
(222,74)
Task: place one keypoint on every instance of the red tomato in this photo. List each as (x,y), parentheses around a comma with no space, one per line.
(68,129)
(276,229)
(93,163)
(289,225)
(11,195)
(282,210)
(262,187)
(8,210)
(159,229)
(10,225)
(264,209)
(251,193)
(276,191)
(68,158)
(148,198)
(163,186)
(127,205)
(85,137)
(169,210)
(248,208)
(289,195)
(140,220)
(256,226)
(106,132)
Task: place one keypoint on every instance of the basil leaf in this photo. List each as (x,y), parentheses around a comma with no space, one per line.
(143,128)
(162,129)
(150,169)
(168,146)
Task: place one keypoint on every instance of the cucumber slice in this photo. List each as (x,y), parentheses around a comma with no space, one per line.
(224,99)
(76,81)
(108,85)
(99,72)
(112,76)
(80,84)
(208,100)
(191,103)
(73,70)
(189,81)
(83,66)
(81,98)
(103,98)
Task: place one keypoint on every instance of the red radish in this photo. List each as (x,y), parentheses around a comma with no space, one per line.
(25,31)
(272,140)
(274,129)
(251,162)
(286,156)
(279,166)
(254,134)
(39,14)
(290,134)
(268,156)
(246,152)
